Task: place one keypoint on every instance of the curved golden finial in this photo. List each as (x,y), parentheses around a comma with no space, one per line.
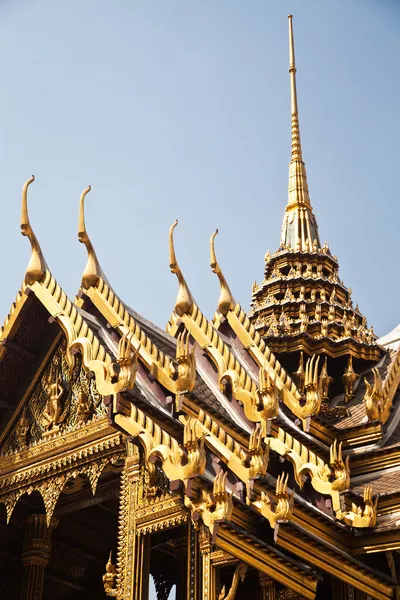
(184,299)
(92,271)
(36,268)
(226,301)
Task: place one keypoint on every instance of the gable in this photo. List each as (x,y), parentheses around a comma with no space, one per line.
(59,400)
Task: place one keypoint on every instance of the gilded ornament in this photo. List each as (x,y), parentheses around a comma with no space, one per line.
(37,267)
(92,272)
(340,469)
(110,379)
(373,397)
(22,429)
(363,516)
(258,455)
(226,301)
(349,378)
(299,375)
(281,510)
(326,380)
(324,328)
(312,388)
(266,399)
(238,576)
(109,578)
(184,372)
(214,508)
(54,412)
(182,463)
(184,300)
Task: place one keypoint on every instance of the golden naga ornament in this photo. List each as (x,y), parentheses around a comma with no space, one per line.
(373,397)
(238,576)
(184,301)
(92,272)
(37,267)
(182,463)
(340,469)
(312,388)
(257,457)
(184,372)
(283,506)
(214,508)
(226,301)
(266,398)
(326,479)
(110,379)
(363,517)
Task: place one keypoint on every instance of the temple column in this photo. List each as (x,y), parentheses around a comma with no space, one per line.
(208,579)
(127,539)
(36,555)
(268,587)
(192,564)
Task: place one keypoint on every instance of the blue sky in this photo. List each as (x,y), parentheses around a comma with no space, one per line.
(176,109)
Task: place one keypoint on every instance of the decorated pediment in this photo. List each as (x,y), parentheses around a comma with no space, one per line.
(61,400)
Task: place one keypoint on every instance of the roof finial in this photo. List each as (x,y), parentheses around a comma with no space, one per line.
(92,271)
(226,301)
(184,299)
(299,228)
(36,268)
(296,143)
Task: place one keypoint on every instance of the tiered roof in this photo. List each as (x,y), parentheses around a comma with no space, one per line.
(302,304)
(213,408)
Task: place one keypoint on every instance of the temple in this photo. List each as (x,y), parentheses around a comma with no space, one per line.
(251,455)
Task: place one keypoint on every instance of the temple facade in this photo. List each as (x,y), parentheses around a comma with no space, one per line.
(253,455)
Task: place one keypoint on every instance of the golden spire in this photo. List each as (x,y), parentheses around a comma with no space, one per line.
(184,299)
(300,230)
(36,268)
(92,271)
(226,301)
(296,143)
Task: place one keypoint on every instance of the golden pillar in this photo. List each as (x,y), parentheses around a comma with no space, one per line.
(192,564)
(208,579)
(127,547)
(268,587)
(36,555)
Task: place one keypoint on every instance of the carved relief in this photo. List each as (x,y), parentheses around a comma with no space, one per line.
(61,401)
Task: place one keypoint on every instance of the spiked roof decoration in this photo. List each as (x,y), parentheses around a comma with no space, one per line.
(302,304)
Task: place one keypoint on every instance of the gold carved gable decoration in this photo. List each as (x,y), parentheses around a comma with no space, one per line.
(62,400)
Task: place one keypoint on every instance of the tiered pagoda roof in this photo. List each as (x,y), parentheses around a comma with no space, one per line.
(227,435)
(302,304)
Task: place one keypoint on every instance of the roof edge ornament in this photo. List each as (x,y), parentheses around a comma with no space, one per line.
(92,272)
(184,300)
(37,266)
(226,300)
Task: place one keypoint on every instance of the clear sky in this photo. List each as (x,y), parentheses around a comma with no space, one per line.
(181,109)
